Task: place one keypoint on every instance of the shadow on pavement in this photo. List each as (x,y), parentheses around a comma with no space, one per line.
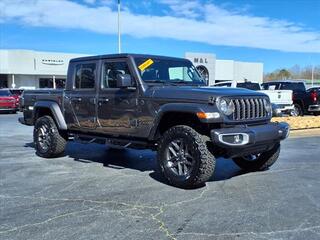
(141,160)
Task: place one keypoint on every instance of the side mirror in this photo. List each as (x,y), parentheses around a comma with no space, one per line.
(124,81)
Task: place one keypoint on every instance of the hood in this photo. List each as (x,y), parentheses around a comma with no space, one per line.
(197,93)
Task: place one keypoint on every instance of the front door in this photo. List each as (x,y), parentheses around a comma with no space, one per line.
(82,98)
(117,107)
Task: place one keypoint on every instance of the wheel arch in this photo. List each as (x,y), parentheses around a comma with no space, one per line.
(51,108)
(175,114)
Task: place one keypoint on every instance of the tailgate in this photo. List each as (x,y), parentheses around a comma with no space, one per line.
(280,97)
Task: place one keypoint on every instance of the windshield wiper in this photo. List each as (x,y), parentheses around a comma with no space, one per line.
(164,82)
(155,81)
(187,82)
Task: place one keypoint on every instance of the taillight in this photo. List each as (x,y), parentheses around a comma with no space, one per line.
(314,96)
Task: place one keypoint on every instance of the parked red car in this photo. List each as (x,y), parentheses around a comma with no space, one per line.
(16,93)
(7,101)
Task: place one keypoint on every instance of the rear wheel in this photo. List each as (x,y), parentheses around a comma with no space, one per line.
(259,162)
(47,139)
(184,158)
(298,109)
(316,113)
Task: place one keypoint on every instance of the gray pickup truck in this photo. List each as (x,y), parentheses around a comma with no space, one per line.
(159,103)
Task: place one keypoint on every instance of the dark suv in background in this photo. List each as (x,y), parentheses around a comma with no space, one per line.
(305,100)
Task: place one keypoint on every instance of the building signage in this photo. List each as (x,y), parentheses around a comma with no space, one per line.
(200,60)
(52,61)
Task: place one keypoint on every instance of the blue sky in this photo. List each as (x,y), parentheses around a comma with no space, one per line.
(279,33)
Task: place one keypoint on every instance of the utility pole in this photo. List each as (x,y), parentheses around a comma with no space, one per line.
(312,73)
(119,35)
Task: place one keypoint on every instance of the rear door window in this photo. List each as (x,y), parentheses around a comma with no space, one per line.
(271,86)
(85,75)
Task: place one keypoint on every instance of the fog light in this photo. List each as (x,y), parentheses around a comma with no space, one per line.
(234,138)
(238,138)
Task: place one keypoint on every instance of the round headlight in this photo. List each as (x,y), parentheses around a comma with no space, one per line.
(267,105)
(226,107)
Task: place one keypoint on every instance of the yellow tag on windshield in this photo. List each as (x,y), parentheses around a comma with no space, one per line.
(145,64)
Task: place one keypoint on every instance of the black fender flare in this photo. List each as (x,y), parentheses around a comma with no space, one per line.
(55,110)
(192,108)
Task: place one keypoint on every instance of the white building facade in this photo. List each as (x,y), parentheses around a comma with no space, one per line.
(215,70)
(32,69)
(29,69)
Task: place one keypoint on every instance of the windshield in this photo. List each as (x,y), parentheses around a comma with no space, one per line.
(250,86)
(223,85)
(5,93)
(16,91)
(293,86)
(156,70)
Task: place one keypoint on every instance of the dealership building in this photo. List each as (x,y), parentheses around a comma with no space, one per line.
(33,69)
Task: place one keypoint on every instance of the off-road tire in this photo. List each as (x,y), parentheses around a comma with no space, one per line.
(263,161)
(204,161)
(58,140)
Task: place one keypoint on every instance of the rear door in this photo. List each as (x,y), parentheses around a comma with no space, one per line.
(82,97)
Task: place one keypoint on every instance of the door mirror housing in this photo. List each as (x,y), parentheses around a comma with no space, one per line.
(124,81)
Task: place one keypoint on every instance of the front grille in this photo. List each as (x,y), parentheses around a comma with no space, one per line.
(248,109)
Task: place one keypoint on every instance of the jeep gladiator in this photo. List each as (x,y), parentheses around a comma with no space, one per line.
(159,103)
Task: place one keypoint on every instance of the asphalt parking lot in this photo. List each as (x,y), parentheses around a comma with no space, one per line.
(96,193)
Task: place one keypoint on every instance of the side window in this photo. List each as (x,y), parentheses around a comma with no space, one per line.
(110,72)
(85,76)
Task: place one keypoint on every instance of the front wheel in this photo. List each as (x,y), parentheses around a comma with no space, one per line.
(47,139)
(184,158)
(259,162)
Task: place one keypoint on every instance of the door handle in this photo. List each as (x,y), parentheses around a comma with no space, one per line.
(78,99)
(104,100)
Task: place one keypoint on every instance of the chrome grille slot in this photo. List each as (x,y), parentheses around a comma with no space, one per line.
(248,109)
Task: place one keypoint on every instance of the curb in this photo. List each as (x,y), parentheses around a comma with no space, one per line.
(305,132)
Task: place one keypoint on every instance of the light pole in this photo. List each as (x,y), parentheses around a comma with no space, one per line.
(312,75)
(119,35)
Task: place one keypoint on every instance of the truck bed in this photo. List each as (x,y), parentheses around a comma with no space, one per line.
(31,96)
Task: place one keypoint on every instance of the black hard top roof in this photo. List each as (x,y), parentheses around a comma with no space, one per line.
(123,55)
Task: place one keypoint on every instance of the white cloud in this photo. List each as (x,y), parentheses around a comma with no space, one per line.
(198,23)
(182,8)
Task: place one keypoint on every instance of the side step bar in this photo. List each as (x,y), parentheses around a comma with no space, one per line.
(112,142)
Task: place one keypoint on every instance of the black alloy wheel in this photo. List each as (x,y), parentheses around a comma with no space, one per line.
(179,157)
(184,158)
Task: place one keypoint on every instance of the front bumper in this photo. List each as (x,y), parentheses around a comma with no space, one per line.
(245,140)
(314,108)
(287,109)
(8,108)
